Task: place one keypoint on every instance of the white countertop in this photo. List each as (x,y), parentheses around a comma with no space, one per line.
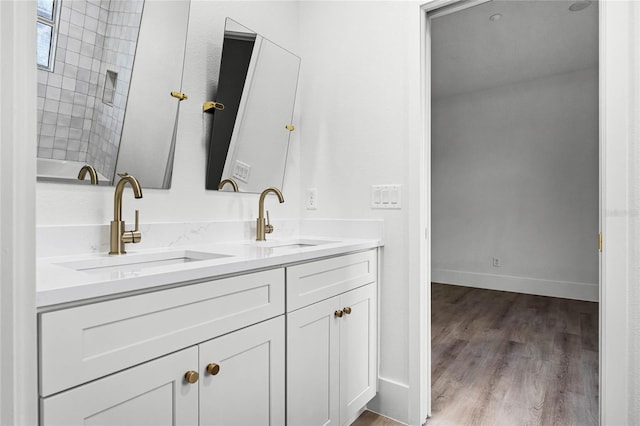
(58,283)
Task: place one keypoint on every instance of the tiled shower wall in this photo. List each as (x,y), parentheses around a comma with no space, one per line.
(74,123)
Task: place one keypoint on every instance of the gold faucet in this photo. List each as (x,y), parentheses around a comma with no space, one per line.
(264,227)
(92,174)
(119,237)
(231,182)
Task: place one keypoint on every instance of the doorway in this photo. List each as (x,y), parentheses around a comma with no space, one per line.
(444,8)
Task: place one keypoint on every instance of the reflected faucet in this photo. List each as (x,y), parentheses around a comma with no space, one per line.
(120,237)
(264,227)
(231,182)
(92,174)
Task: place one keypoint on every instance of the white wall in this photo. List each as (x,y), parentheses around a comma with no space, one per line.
(515,175)
(187,200)
(359,81)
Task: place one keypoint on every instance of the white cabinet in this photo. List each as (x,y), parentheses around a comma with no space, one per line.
(154,393)
(247,384)
(124,361)
(236,371)
(332,344)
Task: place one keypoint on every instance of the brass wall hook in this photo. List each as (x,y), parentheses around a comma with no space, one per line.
(212,105)
(290,127)
(181,96)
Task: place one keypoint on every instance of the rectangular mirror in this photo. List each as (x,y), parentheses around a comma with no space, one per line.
(106,70)
(250,137)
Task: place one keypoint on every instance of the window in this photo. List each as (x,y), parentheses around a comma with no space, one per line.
(46,33)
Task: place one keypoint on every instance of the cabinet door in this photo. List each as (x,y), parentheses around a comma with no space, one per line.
(358,351)
(312,365)
(154,393)
(248,389)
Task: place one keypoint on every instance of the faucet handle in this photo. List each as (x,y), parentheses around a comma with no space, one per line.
(134,236)
(137,235)
(268,228)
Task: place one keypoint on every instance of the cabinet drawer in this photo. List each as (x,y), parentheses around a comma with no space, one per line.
(84,343)
(314,281)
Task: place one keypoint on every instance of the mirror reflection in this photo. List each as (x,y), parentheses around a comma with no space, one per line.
(98,75)
(250,133)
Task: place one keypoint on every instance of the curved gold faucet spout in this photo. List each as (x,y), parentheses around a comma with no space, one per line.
(117,199)
(231,182)
(93,175)
(264,227)
(119,237)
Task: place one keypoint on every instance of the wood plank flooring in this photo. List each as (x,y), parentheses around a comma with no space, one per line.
(501,358)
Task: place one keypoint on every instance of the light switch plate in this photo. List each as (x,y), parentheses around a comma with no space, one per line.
(386,196)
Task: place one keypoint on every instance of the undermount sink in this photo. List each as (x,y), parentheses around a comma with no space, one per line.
(286,245)
(136,263)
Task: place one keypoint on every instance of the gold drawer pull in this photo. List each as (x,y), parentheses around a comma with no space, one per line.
(191,376)
(338,313)
(347,310)
(213,368)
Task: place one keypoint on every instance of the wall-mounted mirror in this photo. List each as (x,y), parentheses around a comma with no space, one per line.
(106,70)
(250,136)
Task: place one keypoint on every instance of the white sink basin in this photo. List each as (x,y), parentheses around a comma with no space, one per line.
(136,263)
(277,246)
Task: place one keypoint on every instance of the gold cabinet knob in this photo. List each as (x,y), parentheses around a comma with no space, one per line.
(347,310)
(191,376)
(338,313)
(213,368)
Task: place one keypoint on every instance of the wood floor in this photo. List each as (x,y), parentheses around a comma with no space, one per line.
(501,358)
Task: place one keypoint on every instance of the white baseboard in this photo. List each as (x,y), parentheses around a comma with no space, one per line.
(564,289)
(391,400)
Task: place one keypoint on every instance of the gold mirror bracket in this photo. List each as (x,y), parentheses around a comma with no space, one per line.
(179,95)
(290,127)
(212,105)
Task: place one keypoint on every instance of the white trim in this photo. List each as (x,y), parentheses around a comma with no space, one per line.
(419,188)
(615,90)
(18,351)
(396,395)
(526,285)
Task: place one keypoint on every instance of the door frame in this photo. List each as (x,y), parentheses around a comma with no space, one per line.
(615,95)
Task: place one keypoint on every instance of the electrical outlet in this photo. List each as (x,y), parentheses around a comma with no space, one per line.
(312,198)
(496,262)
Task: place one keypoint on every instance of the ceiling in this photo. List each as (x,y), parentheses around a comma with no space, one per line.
(532,39)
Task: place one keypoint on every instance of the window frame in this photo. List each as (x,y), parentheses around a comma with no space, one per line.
(54,24)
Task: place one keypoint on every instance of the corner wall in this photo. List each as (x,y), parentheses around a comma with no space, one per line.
(515,176)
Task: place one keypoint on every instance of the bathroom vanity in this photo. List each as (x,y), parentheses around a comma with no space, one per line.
(261,333)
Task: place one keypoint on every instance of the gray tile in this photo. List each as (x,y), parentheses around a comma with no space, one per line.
(84,74)
(50,105)
(45,152)
(68,83)
(65,108)
(42,90)
(43,76)
(59,154)
(77,18)
(48,130)
(85,62)
(74,45)
(69,71)
(45,141)
(74,139)
(60,143)
(82,87)
(64,120)
(73,155)
(62,133)
(75,31)
(55,80)
(78,111)
(49,118)
(72,58)
(76,123)
(53,93)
